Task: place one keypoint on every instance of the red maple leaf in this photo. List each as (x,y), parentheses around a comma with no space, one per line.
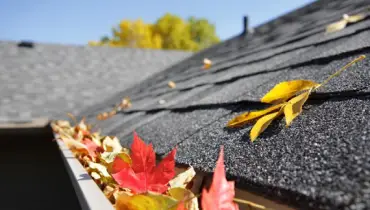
(92,147)
(118,164)
(143,175)
(221,193)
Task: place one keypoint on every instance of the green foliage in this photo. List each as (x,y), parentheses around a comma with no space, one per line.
(203,32)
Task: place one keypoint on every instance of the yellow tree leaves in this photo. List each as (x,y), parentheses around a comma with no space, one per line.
(288,98)
(136,34)
(168,32)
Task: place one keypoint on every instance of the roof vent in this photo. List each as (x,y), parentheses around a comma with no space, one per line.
(26,44)
(245,25)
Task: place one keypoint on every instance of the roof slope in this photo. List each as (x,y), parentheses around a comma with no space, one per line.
(320,162)
(50,79)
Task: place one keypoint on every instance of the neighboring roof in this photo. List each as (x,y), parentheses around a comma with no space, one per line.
(320,162)
(49,80)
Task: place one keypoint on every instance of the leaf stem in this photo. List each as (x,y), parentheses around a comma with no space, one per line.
(341,70)
(249,203)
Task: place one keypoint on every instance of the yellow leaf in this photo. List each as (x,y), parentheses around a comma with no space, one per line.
(337,26)
(108,157)
(125,103)
(111,144)
(285,90)
(354,18)
(171,84)
(263,123)
(294,106)
(101,169)
(95,175)
(183,179)
(72,143)
(182,194)
(145,201)
(246,117)
(63,123)
(207,63)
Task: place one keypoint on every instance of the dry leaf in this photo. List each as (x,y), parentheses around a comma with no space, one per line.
(354,18)
(108,157)
(183,179)
(99,168)
(185,196)
(95,175)
(339,25)
(285,90)
(280,93)
(294,106)
(262,124)
(112,113)
(125,103)
(95,137)
(111,144)
(171,84)
(145,201)
(71,143)
(246,117)
(207,63)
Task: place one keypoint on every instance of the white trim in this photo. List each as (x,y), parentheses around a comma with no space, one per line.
(89,194)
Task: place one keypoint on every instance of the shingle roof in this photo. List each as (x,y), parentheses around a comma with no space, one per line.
(322,161)
(48,79)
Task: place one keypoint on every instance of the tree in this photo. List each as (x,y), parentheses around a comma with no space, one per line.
(168,32)
(135,34)
(202,32)
(175,33)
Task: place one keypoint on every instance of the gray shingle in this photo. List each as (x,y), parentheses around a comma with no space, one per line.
(320,161)
(68,78)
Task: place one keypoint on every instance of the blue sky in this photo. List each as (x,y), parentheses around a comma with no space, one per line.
(78,21)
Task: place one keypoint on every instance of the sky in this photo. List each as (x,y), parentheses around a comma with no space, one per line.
(79,21)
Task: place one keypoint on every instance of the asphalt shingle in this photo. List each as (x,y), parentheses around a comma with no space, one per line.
(321,160)
(49,80)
